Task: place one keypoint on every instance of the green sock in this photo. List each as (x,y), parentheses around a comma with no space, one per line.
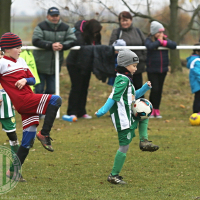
(15,149)
(143,124)
(118,162)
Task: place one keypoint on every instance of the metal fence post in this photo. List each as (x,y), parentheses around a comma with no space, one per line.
(57,70)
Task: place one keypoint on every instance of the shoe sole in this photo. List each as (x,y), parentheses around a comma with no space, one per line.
(150,150)
(51,150)
(119,183)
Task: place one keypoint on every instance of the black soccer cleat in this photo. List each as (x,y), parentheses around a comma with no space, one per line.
(148,146)
(115,179)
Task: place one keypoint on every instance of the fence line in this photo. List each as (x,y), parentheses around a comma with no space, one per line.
(78,47)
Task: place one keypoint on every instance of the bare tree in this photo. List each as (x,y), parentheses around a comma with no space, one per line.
(82,9)
(5,6)
(172,26)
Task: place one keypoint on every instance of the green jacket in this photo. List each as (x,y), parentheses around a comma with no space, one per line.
(44,35)
(30,61)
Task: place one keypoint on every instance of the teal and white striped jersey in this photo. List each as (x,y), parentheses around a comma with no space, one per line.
(122,93)
(6,109)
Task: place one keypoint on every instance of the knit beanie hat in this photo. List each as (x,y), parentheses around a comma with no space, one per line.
(126,57)
(10,40)
(156,27)
(119,42)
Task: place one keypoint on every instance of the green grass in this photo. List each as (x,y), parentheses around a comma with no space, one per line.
(84,153)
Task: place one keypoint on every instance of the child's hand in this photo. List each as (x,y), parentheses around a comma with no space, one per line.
(149,83)
(13,107)
(21,83)
(1,102)
(96,113)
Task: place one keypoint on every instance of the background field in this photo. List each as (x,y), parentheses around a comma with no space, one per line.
(84,152)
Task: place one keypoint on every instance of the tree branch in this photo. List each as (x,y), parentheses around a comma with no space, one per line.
(104,5)
(184,31)
(138,14)
(185,9)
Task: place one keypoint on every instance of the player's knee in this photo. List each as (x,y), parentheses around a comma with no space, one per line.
(124,149)
(12,135)
(58,100)
(28,144)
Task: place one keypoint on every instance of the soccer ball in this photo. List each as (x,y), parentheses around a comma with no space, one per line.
(194,119)
(142,108)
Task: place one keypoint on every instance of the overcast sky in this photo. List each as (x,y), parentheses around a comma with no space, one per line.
(30,7)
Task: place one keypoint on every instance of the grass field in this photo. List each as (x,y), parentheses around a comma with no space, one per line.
(85,150)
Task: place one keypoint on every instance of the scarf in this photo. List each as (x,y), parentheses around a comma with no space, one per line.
(124,71)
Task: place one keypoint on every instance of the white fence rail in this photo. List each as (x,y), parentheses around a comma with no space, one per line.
(57,89)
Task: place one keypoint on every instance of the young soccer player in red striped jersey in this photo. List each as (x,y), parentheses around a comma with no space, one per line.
(15,78)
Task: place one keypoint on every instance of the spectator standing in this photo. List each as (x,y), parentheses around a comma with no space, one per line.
(87,33)
(51,35)
(157,63)
(193,63)
(133,37)
(30,61)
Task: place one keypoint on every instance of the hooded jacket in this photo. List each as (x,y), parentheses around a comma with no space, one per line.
(44,35)
(193,63)
(74,54)
(96,58)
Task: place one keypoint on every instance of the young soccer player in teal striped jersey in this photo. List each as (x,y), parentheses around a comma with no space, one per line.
(7,118)
(119,104)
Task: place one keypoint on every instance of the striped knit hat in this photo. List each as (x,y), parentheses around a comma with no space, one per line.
(10,40)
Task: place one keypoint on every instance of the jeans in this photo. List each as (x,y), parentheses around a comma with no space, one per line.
(50,84)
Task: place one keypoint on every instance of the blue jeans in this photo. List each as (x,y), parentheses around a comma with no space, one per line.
(50,84)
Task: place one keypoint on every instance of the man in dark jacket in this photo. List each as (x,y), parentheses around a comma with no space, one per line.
(51,35)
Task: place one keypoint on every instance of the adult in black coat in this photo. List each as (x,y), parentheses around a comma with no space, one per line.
(87,33)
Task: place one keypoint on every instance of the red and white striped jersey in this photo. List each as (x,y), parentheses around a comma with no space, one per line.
(27,103)
(11,71)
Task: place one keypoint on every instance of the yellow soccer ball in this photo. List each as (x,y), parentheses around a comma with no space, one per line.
(195,119)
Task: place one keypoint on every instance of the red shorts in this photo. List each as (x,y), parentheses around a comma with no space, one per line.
(34,104)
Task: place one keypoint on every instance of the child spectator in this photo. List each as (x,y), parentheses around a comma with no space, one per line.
(157,63)
(15,78)
(119,104)
(193,63)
